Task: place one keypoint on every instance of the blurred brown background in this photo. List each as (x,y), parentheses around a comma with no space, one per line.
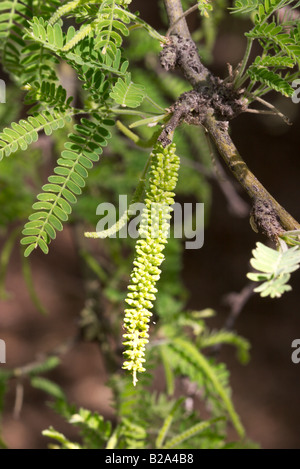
(266,391)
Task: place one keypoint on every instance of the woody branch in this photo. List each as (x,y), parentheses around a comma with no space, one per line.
(213,103)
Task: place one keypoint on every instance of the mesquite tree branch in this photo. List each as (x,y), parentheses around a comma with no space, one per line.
(212,103)
(267,212)
(175,11)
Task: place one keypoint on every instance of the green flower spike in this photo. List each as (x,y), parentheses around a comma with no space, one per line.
(153,232)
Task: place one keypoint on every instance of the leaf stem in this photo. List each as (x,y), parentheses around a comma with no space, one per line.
(131,112)
(239,78)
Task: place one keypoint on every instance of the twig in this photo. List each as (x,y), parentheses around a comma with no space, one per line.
(184,15)
(62,349)
(21,371)
(177,19)
(19,399)
(237,301)
(270,106)
(236,204)
(260,111)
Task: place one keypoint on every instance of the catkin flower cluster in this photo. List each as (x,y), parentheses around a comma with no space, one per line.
(153,235)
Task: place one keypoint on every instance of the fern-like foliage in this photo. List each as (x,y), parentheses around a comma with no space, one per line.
(273,61)
(132,432)
(23,133)
(184,356)
(13,19)
(94,52)
(108,28)
(161,422)
(37,63)
(274,269)
(244,6)
(272,33)
(53,206)
(280,39)
(126,93)
(263,8)
(227,337)
(191,432)
(69,7)
(93,429)
(52,38)
(270,79)
(45,8)
(50,95)
(110,31)
(22,59)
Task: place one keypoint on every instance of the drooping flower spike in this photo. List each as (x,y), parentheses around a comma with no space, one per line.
(153,236)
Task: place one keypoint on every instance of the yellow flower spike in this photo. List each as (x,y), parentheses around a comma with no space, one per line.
(153,232)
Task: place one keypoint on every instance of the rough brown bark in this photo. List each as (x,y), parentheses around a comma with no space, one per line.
(212,103)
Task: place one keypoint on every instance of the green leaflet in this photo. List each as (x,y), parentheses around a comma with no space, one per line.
(271,79)
(50,363)
(60,438)
(23,133)
(63,10)
(262,8)
(193,363)
(47,386)
(198,428)
(244,6)
(93,429)
(288,42)
(126,93)
(108,27)
(153,231)
(54,204)
(48,93)
(279,38)
(274,269)
(13,20)
(227,337)
(167,423)
(271,61)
